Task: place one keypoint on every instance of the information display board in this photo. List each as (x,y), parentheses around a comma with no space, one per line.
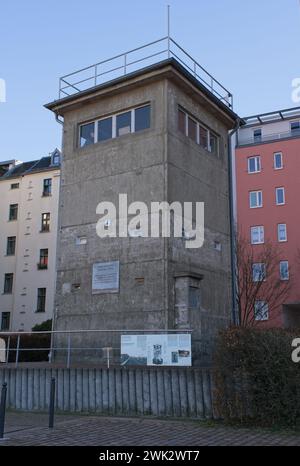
(156,349)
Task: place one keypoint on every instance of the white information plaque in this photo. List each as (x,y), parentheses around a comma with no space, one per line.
(106,277)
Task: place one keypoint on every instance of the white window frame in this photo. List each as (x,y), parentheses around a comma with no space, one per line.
(114,123)
(261,234)
(263,267)
(256,158)
(257,195)
(276,191)
(198,125)
(281,158)
(278,233)
(265,314)
(288,272)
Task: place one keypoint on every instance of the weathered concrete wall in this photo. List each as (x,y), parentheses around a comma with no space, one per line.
(157,392)
(196,175)
(132,164)
(157,164)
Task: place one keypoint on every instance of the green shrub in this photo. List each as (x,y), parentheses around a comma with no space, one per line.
(45,326)
(255,378)
(29,343)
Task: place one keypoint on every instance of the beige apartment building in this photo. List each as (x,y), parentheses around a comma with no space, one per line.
(29,194)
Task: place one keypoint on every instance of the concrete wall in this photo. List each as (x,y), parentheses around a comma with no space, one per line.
(157,164)
(156,392)
(196,175)
(132,164)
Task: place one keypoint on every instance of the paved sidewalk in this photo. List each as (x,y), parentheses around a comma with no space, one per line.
(31,429)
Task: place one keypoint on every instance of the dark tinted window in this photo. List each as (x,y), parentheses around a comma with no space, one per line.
(192,129)
(105,129)
(87,133)
(123,123)
(8,283)
(11,245)
(13,212)
(213,144)
(181,121)
(41,300)
(142,118)
(47,185)
(5,321)
(203,137)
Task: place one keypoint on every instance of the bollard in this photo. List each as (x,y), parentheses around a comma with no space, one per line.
(2,409)
(51,404)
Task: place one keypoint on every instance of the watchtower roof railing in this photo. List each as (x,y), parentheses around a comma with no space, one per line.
(136,59)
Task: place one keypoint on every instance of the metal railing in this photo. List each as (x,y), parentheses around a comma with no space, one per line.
(269,138)
(133,60)
(61,346)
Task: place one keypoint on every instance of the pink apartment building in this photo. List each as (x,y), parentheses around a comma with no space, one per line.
(267,202)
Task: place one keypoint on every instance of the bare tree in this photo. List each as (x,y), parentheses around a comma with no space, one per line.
(258,281)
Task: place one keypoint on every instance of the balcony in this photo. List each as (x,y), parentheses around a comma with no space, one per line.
(136,59)
(268,138)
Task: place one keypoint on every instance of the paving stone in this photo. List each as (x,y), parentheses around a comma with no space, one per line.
(31,429)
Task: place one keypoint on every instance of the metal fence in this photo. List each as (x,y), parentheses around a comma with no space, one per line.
(269,137)
(70,346)
(133,60)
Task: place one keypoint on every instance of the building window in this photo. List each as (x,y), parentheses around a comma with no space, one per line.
(8,283)
(182,121)
(15,186)
(47,187)
(194,297)
(257,235)
(280,196)
(203,137)
(114,126)
(197,132)
(43,263)
(257,135)
(13,212)
(87,134)
(284,270)
(142,118)
(213,143)
(80,240)
(123,124)
(281,232)
(258,272)
(105,129)
(5,321)
(192,129)
(261,310)
(56,158)
(11,246)
(278,161)
(254,164)
(41,300)
(255,198)
(295,128)
(45,222)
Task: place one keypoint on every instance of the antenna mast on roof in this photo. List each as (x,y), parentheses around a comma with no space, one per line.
(169,31)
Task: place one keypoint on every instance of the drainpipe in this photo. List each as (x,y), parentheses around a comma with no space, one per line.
(61,122)
(235,316)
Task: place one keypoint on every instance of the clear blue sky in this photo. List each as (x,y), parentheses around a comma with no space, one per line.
(252,47)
